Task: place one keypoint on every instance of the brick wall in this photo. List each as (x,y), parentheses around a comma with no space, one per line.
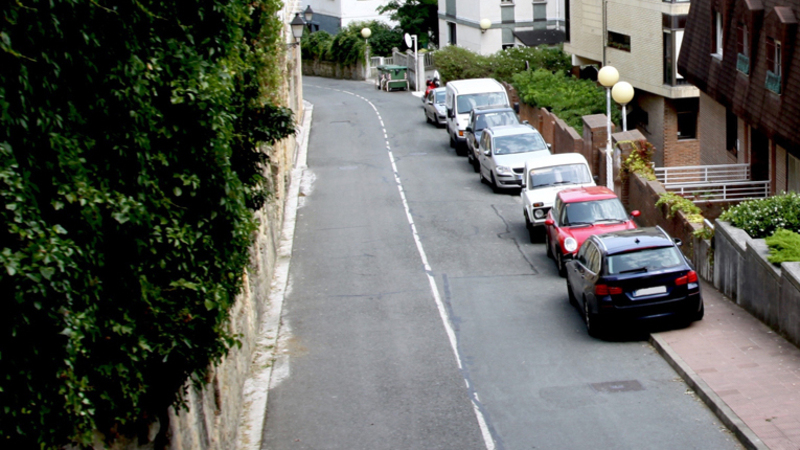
(683,152)
(712,129)
(594,143)
(653,105)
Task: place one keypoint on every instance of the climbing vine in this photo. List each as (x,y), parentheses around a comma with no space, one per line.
(132,147)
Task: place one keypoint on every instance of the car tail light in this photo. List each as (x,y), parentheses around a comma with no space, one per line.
(602,289)
(690,277)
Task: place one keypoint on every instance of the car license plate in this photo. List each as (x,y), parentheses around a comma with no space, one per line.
(650,291)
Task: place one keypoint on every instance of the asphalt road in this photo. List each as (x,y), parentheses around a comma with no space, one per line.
(369,362)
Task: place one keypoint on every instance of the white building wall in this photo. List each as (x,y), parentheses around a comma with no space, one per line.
(362,11)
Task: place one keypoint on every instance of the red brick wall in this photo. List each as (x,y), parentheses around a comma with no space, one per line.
(684,152)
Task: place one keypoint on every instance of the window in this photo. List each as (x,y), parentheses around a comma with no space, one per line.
(540,11)
(451,27)
(774,70)
(620,41)
(644,260)
(672,50)
(718,34)
(731,132)
(686,110)
(742,49)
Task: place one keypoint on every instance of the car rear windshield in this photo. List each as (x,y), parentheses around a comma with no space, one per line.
(468,102)
(646,260)
(596,211)
(495,119)
(519,143)
(440,96)
(558,175)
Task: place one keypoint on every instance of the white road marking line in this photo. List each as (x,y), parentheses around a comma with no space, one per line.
(487,436)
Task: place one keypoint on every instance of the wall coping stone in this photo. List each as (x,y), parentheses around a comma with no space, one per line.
(735,235)
(596,121)
(791,272)
(761,249)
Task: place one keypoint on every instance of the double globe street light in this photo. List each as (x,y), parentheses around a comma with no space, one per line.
(622,92)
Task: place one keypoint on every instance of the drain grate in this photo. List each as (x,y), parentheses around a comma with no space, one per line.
(618,386)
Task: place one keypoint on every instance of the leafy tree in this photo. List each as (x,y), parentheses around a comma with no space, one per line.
(418,17)
(131,159)
(384,38)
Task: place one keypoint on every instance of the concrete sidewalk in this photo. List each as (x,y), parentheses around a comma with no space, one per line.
(747,374)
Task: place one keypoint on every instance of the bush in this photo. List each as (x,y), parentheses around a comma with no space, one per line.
(384,38)
(130,166)
(567,97)
(677,203)
(456,63)
(316,46)
(761,218)
(639,161)
(784,246)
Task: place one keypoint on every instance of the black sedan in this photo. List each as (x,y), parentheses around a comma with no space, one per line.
(632,276)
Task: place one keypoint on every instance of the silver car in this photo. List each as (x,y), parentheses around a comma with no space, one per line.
(503,151)
(435,111)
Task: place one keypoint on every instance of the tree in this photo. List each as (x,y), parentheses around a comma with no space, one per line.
(418,17)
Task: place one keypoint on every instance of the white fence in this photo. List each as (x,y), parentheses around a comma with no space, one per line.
(716,183)
(703,174)
(721,191)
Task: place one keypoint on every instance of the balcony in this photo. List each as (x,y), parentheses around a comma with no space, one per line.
(773,82)
(743,64)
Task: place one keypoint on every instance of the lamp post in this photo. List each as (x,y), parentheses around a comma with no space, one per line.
(366,33)
(297,25)
(623,94)
(608,77)
(308,14)
(485,25)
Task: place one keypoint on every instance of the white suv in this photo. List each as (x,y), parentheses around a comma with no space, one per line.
(544,177)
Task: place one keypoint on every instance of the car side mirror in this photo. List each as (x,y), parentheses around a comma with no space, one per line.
(549,222)
(516,107)
(635,213)
(487,153)
(525,122)
(469,129)
(596,178)
(678,242)
(549,146)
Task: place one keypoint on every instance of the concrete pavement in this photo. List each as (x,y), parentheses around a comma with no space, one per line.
(746,373)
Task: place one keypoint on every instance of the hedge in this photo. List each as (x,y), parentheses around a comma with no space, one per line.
(129,173)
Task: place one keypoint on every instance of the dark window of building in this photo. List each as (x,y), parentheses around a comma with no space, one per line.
(686,110)
(540,12)
(451,27)
(742,39)
(774,56)
(669,62)
(718,34)
(731,132)
(620,41)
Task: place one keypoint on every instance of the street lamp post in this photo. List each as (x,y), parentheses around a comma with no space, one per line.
(608,77)
(623,94)
(366,33)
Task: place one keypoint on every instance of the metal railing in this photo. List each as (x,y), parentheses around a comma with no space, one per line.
(428,60)
(703,174)
(727,191)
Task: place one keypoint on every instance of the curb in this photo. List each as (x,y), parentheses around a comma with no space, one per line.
(255,391)
(737,426)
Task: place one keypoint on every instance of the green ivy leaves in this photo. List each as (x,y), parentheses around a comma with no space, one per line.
(133,142)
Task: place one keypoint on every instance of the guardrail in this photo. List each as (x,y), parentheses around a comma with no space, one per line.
(721,191)
(703,174)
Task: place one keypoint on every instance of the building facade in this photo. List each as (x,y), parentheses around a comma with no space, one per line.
(512,22)
(642,40)
(333,15)
(740,54)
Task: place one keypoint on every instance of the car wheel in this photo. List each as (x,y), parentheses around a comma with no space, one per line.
(452,141)
(572,300)
(592,325)
(476,165)
(547,244)
(495,189)
(469,155)
(528,223)
(562,271)
(427,119)
(699,314)
(461,149)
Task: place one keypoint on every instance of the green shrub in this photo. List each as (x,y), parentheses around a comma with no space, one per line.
(568,98)
(384,39)
(761,218)
(316,46)
(457,63)
(677,203)
(131,161)
(639,161)
(784,246)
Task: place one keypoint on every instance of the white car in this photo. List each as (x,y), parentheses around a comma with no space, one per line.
(544,177)
(502,152)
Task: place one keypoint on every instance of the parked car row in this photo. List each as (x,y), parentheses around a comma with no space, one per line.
(616,273)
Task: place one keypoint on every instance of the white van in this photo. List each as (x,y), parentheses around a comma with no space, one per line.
(462,96)
(546,176)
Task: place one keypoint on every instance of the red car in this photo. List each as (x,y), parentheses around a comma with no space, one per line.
(579,213)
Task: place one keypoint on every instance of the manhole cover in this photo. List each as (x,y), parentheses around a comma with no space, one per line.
(618,386)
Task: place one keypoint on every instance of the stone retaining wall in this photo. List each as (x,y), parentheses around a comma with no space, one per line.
(769,292)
